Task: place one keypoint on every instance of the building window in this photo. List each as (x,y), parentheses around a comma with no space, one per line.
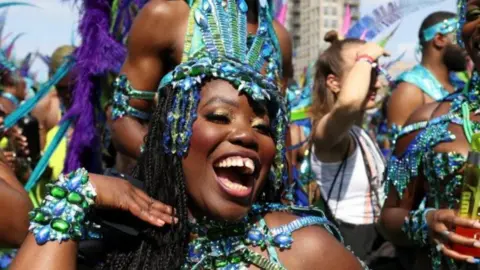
(334,11)
(334,24)
(326,10)
(326,23)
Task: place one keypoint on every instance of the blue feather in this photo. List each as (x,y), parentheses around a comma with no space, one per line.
(28,105)
(10,4)
(43,162)
(385,16)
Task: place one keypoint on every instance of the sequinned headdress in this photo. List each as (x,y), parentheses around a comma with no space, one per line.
(445,27)
(227,53)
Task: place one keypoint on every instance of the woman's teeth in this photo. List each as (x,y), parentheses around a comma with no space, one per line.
(235,186)
(246,165)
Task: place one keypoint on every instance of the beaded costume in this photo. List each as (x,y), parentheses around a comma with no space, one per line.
(421,77)
(217,46)
(441,170)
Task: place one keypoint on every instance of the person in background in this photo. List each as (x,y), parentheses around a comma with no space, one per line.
(49,110)
(430,80)
(346,163)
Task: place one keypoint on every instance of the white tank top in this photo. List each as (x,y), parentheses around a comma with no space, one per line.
(351,200)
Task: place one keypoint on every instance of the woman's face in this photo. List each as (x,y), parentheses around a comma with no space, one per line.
(349,56)
(471,33)
(231,151)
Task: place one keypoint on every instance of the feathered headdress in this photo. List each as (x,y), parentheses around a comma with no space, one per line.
(384,16)
(227,55)
(104,26)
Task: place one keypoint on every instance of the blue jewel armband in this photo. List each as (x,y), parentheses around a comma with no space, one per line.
(62,214)
(416,226)
(123,92)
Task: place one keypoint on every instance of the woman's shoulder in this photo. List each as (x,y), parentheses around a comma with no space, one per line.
(314,242)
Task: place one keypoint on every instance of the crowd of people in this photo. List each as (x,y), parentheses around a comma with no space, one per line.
(191,146)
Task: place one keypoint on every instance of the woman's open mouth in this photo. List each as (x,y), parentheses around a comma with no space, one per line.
(236,175)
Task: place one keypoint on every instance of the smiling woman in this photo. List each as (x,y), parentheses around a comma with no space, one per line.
(215,153)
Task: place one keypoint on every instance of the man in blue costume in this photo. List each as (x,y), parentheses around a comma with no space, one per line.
(428,81)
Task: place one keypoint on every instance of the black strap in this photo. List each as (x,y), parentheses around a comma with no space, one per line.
(367,164)
(341,169)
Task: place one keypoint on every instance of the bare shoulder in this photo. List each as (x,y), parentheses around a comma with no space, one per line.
(313,247)
(405,99)
(155,16)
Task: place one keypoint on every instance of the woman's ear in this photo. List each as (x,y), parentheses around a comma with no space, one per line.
(333,84)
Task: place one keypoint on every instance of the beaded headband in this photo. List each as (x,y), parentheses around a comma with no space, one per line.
(445,27)
(229,54)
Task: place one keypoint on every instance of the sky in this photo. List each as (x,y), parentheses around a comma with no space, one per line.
(52,23)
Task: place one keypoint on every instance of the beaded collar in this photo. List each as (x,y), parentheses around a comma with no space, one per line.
(220,245)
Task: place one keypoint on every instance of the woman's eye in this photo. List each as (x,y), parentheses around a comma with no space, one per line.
(218,118)
(264,129)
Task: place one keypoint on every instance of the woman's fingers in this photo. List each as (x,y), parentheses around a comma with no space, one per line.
(455,255)
(169,219)
(459,239)
(154,204)
(450,218)
(156,209)
(140,211)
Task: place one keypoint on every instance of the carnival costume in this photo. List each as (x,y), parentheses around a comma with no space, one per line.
(216,47)
(442,171)
(420,76)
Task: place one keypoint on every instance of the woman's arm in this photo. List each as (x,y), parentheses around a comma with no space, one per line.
(15,206)
(334,126)
(52,255)
(112,193)
(396,210)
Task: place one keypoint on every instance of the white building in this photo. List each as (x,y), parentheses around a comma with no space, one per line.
(309,20)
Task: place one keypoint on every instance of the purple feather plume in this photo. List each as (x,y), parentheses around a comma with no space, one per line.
(26,65)
(98,54)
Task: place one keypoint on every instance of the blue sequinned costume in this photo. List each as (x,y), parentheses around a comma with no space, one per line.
(441,170)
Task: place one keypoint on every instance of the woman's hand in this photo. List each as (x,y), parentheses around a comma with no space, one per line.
(441,224)
(372,50)
(19,141)
(10,159)
(117,193)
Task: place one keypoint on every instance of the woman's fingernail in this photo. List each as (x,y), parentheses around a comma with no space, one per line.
(473,260)
(476,244)
(175,220)
(160,222)
(476,225)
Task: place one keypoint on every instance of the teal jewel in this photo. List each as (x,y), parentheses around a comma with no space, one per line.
(200,19)
(59,207)
(43,235)
(74,183)
(283,240)
(243,6)
(255,237)
(206,6)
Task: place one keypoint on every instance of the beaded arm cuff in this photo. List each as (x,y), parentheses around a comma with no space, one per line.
(61,216)
(416,227)
(121,97)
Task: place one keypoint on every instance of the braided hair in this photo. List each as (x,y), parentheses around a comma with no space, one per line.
(163,178)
